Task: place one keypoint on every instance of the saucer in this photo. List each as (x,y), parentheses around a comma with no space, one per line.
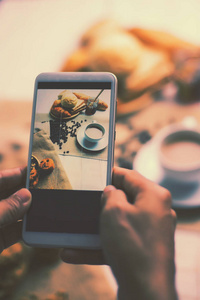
(97,146)
(184,194)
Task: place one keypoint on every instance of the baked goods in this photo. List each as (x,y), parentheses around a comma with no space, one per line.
(58,111)
(66,106)
(34,174)
(164,40)
(14,264)
(111,48)
(47,166)
(61,94)
(101,104)
(81,96)
(33,178)
(69,105)
(68,100)
(143,60)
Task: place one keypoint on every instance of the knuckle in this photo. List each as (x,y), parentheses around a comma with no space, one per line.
(127,176)
(174,216)
(164,195)
(132,180)
(13,207)
(130,176)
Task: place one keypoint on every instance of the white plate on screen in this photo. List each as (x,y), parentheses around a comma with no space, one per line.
(88,145)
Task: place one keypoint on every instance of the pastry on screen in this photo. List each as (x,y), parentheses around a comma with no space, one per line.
(68,100)
(61,94)
(58,111)
(34,178)
(65,105)
(47,165)
(101,104)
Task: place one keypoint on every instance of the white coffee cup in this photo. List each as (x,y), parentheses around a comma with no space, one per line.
(179,152)
(94,132)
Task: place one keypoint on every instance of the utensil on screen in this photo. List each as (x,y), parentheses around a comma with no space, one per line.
(92,104)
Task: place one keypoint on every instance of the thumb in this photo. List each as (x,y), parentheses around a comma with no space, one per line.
(111,196)
(14,207)
(108,189)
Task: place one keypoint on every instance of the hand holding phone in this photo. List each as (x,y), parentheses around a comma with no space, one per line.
(70,158)
(137,228)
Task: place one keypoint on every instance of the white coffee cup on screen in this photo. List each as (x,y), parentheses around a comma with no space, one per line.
(94,132)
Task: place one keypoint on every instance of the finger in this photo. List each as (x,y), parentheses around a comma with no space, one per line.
(113,214)
(174,217)
(105,193)
(142,191)
(129,181)
(109,188)
(159,198)
(111,196)
(9,235)
(79,256)
(13,208)
(11,180)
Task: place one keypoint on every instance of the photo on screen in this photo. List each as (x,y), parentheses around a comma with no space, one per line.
(71,133)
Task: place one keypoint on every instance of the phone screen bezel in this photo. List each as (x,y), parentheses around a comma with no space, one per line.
(76,240)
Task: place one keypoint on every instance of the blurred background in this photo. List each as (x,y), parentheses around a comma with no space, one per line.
(153,47)
(37,36)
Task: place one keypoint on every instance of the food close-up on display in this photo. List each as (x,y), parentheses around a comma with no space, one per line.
(154,52)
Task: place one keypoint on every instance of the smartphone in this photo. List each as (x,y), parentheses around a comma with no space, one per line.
(70,158)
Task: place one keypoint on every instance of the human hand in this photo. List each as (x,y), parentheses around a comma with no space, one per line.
(137,230)
(14,203)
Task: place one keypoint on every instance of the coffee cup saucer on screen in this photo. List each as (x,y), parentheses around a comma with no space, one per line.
(91,144)
(185,190)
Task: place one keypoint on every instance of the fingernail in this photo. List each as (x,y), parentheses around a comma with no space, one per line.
(24,195)
(109,188)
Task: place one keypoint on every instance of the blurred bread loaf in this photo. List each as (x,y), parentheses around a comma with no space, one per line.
(14,263)
(141,59)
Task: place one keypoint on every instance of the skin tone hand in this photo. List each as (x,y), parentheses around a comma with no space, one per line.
(14,203)
(137,231)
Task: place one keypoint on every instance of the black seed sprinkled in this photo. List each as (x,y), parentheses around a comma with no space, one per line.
(61,130)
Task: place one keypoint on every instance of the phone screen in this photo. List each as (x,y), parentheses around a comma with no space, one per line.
(69,153)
